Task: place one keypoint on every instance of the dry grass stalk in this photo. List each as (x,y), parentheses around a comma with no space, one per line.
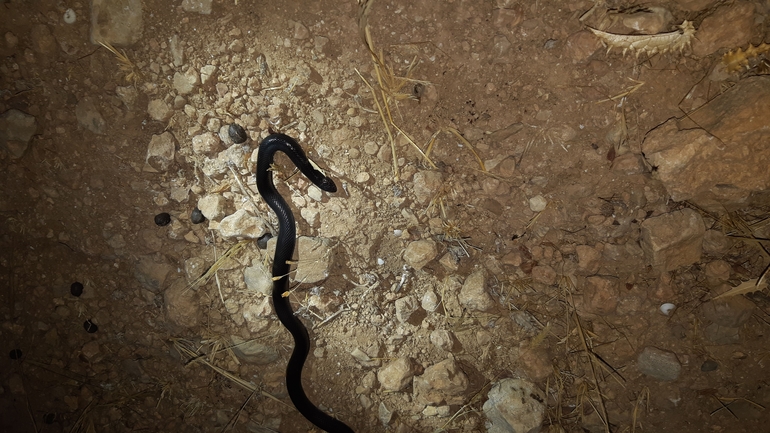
(218,264)
(626,92)
(183,347)
(583,391)
(390,93)
(735,226)
(129,69)
(642,398)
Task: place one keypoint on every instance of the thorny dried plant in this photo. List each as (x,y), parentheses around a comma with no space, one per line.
(127,67)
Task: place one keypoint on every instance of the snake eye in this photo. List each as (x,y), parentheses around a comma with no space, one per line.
(327,185)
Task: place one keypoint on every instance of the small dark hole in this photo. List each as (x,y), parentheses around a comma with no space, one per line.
(15,354)
(90,326)
(49,418)
(76,288)
(162,219)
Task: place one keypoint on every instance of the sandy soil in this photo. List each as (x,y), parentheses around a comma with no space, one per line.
(547,160)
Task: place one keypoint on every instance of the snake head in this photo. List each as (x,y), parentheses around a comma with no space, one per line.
(327,185)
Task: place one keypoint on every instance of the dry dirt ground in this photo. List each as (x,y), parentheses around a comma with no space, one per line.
(527,172)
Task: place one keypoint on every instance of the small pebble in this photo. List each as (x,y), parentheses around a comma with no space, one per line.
(69,16)
(162,219)
(667,308)
(196,216)
(76,289)
(90,326)
(15,354)
(237,133)
(709,365)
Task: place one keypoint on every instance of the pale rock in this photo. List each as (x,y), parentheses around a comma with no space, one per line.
(405,307)
(118,22)
(152,274)
(364,358)
(651,21)
(728,26)
(182,305)
(582,45)
(315,193)
(316,258)
(429,301)
(589,258)
(425,185)
(206,143)
(241,224)
(538,203)
(311,215)
(212,206)
(718,270)
(544,274)
(384,414)
(601,293)
(16,131)
(252,351)
(673,240)
(90,350)
(160,153)
(450,262)
(514,406)
(89,117)
(703,158)
(159,110)
(258,278)
(202,7)
(220,165)
(396,375)
(730,312)
(474,295)
(443,382)
(659,364)
(419,253)
(300,31)
(128,95)
(207,74)
(185,83)
(257,312)
(194,267)
(442,339)
(177,50)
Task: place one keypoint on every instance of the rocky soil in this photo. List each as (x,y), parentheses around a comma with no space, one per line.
(530,231)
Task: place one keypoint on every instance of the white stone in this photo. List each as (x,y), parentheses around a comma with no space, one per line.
(206,143)
(474,295)
(241,224)
(513,406)
(315,259)
(419,253)
(405,307)
(396,375)
(160,153)
(537,203)
(212,206)
(258,277)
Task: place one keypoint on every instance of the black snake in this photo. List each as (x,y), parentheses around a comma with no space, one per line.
(283,253)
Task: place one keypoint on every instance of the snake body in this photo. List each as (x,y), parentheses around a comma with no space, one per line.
(283,254)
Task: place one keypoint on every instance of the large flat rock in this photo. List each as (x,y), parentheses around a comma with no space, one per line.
(717,156)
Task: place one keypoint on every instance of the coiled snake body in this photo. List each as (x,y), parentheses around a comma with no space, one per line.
(283,253)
